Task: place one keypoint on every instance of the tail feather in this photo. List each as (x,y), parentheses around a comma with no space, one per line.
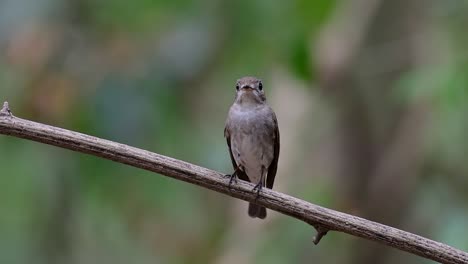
(257,211)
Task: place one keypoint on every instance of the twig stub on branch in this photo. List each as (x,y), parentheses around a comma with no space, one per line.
(321,232)
(5,111)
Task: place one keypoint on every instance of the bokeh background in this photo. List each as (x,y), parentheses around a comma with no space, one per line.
(371,98)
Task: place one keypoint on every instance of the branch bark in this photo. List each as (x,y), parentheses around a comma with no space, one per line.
(321,218)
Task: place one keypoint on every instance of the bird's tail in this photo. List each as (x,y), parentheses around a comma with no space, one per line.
(257,211)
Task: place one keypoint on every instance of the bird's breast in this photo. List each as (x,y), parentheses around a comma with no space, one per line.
(252,140)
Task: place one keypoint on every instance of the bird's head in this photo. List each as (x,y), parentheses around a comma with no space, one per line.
(249,90)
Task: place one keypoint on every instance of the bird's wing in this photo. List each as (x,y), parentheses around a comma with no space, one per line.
(274,163)
(241,174)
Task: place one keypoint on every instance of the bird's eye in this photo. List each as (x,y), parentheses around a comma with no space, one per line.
(260,86)
(237,87)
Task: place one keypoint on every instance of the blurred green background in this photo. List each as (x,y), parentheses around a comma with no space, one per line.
(371,98)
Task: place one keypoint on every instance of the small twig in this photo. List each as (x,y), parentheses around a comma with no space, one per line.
(321,232)
(322,218)
(5,110)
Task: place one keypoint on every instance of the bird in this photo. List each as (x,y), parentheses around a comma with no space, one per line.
(253,138)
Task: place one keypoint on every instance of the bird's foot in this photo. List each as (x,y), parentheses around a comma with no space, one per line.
(257,189)
(232,179)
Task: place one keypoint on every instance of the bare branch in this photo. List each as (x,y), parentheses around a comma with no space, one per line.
(321,218)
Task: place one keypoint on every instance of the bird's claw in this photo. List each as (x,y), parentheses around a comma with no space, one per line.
(257,189)
(232,179)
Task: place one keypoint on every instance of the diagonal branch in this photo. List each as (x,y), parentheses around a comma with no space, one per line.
(321,218)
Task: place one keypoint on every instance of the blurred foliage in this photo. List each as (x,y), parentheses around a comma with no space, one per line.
(160,75)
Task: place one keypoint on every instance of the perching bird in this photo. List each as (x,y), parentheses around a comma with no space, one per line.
(253,138)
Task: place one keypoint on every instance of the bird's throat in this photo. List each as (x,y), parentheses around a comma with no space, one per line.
(249,100)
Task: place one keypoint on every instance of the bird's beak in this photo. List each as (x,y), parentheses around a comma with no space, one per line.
(246,87)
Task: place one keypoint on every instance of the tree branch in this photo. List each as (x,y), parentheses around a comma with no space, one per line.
(321,218)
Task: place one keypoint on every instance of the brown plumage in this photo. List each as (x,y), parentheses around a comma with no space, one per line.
(253,138)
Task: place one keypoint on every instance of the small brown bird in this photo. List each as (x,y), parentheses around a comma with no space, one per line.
(253,138)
